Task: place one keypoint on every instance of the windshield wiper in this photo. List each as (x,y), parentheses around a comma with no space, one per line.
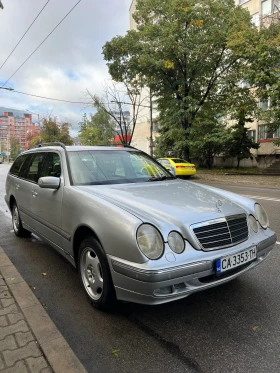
(160,178)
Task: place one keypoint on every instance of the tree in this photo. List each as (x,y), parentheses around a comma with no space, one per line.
(52,131)
(241,143)
(185,51)
(98,129)
(209,137)
(263,75)
(116,100)
(35,140)
(14,147)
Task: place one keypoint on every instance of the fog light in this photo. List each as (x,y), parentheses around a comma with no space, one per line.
(163,291)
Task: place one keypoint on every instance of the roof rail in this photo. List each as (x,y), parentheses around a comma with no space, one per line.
(116,145)
(50,144)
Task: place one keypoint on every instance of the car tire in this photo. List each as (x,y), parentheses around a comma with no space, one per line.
(95,275)
(17,224)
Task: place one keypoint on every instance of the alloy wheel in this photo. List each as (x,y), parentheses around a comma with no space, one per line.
(91,273)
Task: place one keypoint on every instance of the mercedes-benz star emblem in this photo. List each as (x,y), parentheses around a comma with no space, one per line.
(219,204)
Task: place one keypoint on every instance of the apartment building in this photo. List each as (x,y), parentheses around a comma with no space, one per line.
(263,13)
(16,124)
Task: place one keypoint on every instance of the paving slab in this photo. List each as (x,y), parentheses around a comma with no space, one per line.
(29,340)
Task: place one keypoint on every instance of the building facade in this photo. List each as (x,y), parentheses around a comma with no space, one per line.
(263,13)
(18,125)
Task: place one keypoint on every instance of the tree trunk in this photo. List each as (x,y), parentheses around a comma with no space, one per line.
(187,153)
(238,162)
(209,157)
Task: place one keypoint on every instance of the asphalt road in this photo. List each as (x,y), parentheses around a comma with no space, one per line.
(231,328)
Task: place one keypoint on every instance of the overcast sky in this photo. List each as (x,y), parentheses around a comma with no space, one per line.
(68,63)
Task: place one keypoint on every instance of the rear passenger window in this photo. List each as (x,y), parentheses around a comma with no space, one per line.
(35,167)
(17,165)
(51,165)
(25,166)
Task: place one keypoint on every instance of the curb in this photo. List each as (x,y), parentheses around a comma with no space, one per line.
(56,350)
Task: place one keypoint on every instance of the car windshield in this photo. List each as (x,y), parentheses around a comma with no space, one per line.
(96,167)
(178,160)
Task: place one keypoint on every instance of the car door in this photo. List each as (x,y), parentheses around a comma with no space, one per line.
(21,188)
(28,177)
(46,204)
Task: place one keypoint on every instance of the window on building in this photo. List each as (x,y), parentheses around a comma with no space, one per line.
(266,7)
(276,134)
(256,19)
(264,105)
(243,84)
(242,1)
(252,135)
(266,133)
(155,126)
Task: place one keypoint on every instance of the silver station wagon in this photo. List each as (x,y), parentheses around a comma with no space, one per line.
(133,231)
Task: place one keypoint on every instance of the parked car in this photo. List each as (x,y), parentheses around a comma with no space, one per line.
(180,166)
(1,158)
(134,235)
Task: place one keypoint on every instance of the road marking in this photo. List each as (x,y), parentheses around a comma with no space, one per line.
(277,243)
(262,198)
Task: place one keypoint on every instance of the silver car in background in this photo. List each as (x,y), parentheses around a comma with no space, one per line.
(133,231)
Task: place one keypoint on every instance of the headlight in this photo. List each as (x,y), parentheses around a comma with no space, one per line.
(150,241)
(253,223)
(176,242)
(261,216)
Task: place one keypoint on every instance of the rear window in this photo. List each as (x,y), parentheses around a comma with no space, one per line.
(15,169)
(178,160)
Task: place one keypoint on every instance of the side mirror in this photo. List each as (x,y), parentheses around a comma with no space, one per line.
(171,170)
(49,182)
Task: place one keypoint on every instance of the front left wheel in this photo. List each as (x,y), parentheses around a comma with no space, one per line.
(95,274)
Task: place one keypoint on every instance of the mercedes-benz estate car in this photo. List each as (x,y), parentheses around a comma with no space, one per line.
(133,231)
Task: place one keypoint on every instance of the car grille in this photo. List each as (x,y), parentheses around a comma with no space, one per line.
(220,233)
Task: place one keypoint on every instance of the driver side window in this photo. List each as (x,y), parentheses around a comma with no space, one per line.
(51,165)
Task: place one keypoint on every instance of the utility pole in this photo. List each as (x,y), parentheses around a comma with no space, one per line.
(151,125)
(1,5)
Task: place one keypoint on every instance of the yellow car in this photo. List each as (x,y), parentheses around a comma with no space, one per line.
(180,166)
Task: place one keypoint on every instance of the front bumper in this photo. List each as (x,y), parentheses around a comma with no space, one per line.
(135,283)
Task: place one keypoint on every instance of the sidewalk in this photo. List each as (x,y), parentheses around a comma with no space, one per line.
(29,340)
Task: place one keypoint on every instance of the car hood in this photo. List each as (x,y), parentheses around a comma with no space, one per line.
(175,202)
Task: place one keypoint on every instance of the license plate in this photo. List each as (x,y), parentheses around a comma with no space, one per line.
(229,262)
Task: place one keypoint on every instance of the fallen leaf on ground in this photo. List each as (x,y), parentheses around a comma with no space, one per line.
(115,353)
(44,274)
(255,328)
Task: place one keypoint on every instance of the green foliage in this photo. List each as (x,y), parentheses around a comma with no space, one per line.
(54,132)
(185,51)
(14,148)
(209,136)
(35,140)
(241,145)
(208,139)
(264,74)
(98,129)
